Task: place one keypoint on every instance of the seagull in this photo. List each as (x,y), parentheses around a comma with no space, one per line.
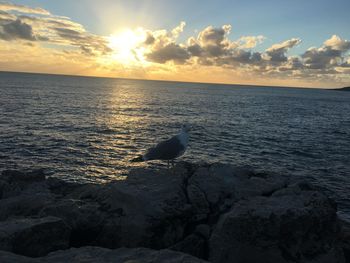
(168,149)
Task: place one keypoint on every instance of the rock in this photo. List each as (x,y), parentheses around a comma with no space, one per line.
(345,236)
(24,205)
(147,209)
(16,176)
(217,211)
(213,189)
(194,245)
(84,219)
(3,185)
(282,228)
(98,254)
(13,183)
(8,257)
(62,188)
(203,230)
(33,237)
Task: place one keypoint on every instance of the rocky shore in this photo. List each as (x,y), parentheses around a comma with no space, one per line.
(191,213)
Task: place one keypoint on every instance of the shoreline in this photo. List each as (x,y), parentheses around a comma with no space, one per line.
(191,213)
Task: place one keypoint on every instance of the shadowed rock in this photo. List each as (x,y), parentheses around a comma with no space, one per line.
(33,237)
(97,254)
(286,227)
(148,209)
(216,211)
(345,237)
(213,189)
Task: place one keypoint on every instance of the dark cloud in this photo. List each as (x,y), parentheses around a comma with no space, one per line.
(277,53)
(16,30)
(213,41)
(195,50)
(293,63)
(331,54)
(169,52)
(149,39)
(243,56)
(6,17)
(211,36)
(162,46)
(239,56)
(69,34)
(320,58)
(213,47)
(89,44)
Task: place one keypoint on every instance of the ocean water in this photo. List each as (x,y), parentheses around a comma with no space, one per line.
(87,129)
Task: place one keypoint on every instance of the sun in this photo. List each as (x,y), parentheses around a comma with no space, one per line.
(127,46)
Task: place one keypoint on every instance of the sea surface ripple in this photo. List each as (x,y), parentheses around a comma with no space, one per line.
(87,129)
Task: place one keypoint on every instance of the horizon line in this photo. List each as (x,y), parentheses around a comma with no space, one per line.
(161,80)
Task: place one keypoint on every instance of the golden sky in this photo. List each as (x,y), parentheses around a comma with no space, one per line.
(35,40)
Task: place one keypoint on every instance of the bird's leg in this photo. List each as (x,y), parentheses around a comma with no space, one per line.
(168,164)
(172,163)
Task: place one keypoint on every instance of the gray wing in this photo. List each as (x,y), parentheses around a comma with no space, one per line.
(165,150)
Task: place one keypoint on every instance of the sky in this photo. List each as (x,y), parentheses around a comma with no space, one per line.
(283,43)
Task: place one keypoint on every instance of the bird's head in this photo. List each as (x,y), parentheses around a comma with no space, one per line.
(186,127)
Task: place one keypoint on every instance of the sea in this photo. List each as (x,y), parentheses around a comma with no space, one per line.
(87,129)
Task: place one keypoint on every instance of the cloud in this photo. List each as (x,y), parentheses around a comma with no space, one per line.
(213,36)
(213,41)
(169,52)
(162,46)
(213,47)
(52,29)
(149,38)
(89,44)
(277,52)
(249,41)
(210,47)
(67,33)
(6,17)
(193,47)
(330,55)
(336,43)
(16,30)
(164,53)
(293,63)
(178,30)
(23,9)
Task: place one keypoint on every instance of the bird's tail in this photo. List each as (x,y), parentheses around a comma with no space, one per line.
(137,159)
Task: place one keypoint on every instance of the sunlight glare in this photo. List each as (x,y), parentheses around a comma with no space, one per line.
(126,46)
